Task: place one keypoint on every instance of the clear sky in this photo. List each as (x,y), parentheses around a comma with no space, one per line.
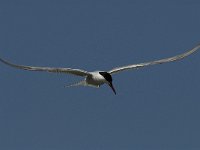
(155,108)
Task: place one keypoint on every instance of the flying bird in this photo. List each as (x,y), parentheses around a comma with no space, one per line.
(98,78)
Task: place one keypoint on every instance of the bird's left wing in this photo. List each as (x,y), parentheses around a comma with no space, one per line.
(77,72)
(161,61)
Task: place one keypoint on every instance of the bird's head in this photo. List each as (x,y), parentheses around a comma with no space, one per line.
(108,78)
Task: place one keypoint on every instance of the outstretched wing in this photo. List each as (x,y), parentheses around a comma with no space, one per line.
(161,61)
(77,72)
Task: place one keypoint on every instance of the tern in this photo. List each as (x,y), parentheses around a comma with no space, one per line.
(98,78)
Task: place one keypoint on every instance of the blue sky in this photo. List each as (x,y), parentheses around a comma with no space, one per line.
(155,107)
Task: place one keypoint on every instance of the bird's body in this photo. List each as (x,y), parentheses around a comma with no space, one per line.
(97,78)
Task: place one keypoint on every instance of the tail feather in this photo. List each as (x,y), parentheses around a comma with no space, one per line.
(81,83)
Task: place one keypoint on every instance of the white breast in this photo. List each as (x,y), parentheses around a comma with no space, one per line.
(95,79)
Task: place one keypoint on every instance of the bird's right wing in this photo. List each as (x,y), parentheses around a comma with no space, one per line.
(161,61)
(77,72)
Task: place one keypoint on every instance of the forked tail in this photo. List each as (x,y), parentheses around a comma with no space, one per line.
(81,83)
